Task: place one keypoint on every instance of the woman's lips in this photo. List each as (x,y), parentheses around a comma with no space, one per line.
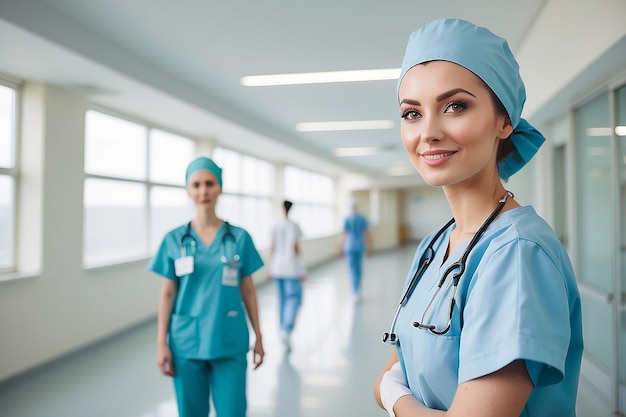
(436,158)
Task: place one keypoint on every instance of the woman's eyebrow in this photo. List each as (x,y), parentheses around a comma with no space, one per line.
(450,93)
(411,102)
(440,97)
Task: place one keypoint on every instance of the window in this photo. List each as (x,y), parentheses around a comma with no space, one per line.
(248,187)
(134,190)
(8,115)
(313,196)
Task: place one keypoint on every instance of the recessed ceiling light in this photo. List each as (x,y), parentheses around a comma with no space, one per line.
(321,77)
(346,125)
(362,151)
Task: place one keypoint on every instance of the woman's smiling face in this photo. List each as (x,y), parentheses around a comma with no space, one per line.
(449,126)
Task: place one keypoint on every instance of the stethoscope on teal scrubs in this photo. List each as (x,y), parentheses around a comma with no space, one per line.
(232,261)
(391,336)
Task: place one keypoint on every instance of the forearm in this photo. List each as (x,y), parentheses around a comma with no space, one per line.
(166,303)
(409,406)
(500,394)
(248,295)
(393,358)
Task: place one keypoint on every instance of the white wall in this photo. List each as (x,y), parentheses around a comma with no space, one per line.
(425,209)
(60,306)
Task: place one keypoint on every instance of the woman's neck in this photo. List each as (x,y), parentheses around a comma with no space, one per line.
(206,220)
(470,207)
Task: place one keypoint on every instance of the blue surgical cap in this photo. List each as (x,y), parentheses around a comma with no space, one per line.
(490,58)
(204,164)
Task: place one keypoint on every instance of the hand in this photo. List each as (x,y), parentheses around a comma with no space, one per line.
(164,360)
(258,353)
(393,385)
(269,277)
(302,278)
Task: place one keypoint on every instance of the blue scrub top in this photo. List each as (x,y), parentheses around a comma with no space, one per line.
(354,226)
(208,319)
(517,299)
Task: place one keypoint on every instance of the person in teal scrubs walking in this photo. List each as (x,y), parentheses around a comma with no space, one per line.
(203,339)
(356,242)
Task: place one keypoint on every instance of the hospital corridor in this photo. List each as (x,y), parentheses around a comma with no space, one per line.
(162,161)
(336,355)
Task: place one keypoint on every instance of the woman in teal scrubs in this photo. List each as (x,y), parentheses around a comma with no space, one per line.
(203,337)
(490,322)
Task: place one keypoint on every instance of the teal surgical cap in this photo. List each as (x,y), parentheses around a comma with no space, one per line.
(490,58)
(204,164)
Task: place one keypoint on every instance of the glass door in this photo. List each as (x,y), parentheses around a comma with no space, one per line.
(595,241)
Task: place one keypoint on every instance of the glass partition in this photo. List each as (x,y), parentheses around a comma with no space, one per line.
(593,136)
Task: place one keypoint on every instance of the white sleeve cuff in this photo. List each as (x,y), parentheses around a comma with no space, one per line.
(393,385)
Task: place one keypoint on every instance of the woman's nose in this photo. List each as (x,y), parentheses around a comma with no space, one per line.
(431,129)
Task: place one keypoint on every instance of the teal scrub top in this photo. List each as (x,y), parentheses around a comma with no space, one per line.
(208,319)
(518,299)
(354,225)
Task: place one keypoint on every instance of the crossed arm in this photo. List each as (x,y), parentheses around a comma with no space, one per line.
(503,393)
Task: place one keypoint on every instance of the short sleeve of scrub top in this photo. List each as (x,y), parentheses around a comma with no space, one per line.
(516,300)
(252,261)
(169,250)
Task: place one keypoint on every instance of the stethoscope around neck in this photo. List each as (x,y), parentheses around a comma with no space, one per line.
(232,260)
(459,266)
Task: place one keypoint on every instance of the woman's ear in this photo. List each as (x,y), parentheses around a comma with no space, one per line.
(505,128)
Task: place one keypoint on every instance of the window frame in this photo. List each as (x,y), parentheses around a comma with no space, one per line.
(261,239)
(14,173)
(146,182)
(313,204)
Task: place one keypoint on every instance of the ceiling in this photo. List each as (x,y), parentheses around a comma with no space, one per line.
(179,63)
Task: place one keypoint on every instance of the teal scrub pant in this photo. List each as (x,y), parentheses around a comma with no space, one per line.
(223,379)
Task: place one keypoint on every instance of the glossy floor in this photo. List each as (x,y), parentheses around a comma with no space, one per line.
(336,356)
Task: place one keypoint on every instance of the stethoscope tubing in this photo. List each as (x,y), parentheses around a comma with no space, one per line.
(460,264)
(227,234)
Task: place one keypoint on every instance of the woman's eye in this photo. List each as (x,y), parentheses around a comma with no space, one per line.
(455,107)
(410,114)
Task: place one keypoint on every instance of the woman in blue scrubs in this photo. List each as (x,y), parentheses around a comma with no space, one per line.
(355,243)
(203,339)
(490,321)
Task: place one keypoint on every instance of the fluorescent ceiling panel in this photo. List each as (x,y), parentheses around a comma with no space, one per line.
(363,151)
(346,125)
(321,77)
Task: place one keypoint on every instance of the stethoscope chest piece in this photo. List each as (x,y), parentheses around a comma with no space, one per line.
(232,260)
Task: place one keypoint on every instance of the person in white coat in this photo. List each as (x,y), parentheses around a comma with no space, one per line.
(287,271)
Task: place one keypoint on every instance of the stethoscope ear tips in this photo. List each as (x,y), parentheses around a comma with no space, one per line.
(389,337)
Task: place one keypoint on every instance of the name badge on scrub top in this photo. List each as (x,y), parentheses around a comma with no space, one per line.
(230,276)
(183,266)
